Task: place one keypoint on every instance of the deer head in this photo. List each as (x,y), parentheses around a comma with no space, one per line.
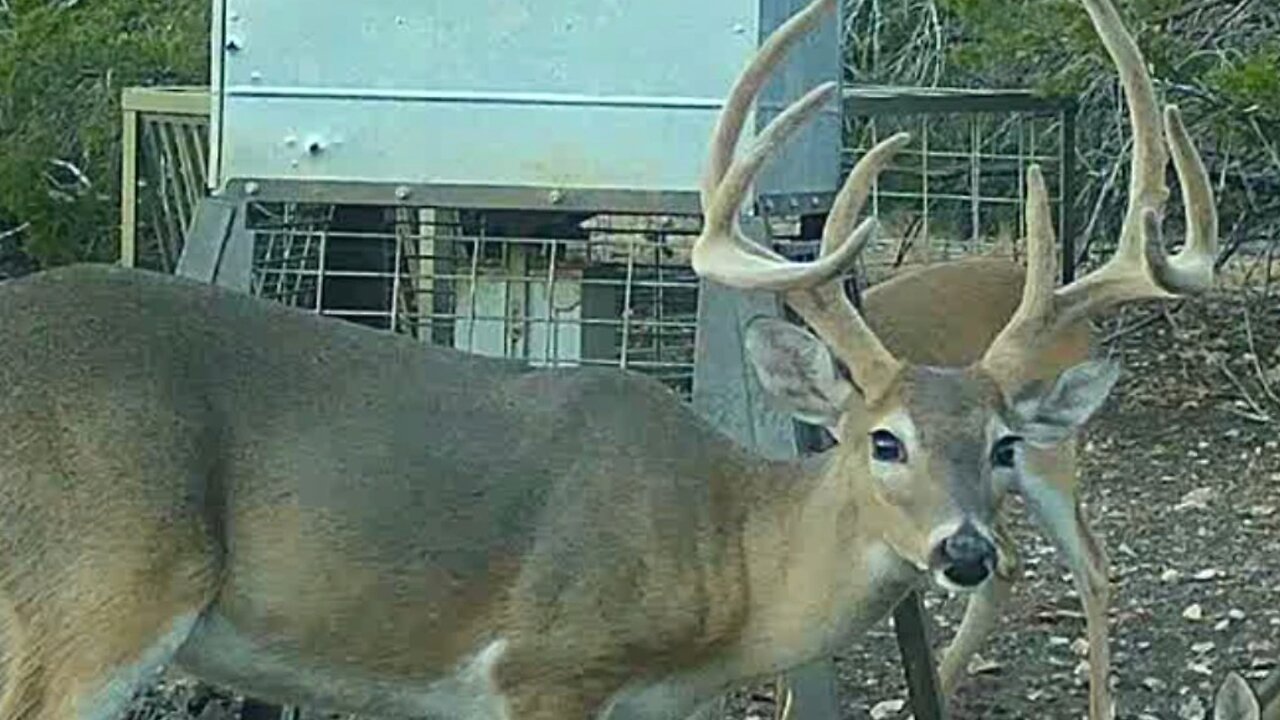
(934,449)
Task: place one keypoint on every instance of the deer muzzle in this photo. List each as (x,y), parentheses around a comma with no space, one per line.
(965,558)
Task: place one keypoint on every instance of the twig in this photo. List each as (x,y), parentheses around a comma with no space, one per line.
(1253,353)
(1164,314)
(1083,253)
(1271,254)
(1260,419)
(14,231)
(1128,329)
(1260,413)
(1168,314)
(1185,10)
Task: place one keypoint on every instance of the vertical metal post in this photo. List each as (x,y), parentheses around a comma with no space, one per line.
(1066,190)
(911,625)
(924,185)
(975,182)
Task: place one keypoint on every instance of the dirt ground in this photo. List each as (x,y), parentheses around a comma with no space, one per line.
(1182,479)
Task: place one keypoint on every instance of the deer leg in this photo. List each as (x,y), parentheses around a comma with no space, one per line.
(84,624)
(65,659)
(981,614)
(1049,489)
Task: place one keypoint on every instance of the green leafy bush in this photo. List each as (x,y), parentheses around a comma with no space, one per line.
(62,67)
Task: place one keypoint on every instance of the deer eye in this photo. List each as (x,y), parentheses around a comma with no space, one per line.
(1002,454)
(886,447)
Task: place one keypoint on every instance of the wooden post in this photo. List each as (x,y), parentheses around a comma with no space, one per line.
(129,190)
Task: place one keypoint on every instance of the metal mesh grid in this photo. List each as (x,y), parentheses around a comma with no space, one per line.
(552,289)
(958,188)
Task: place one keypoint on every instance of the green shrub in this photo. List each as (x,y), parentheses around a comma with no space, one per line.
(62,67)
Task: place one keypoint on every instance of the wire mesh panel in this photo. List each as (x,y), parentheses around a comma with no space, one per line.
(553,289)
(959,187)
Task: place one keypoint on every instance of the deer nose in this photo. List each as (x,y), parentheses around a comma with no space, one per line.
(967,556)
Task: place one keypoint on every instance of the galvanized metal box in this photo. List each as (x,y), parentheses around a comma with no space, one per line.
(571,103)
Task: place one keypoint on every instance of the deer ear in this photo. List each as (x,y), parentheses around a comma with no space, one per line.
(1235,701)
(1051,417)
(798,371)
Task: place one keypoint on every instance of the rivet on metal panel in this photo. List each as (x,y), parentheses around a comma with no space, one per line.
(739,29)
(403,192)
(794,203)
(251,188)
(315,146)
(233,16)
(815,201)
(555,197)
(255,76)
(290,140)
(234,44)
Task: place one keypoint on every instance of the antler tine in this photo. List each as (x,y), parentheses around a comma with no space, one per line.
(1148,159)
(1192,268)
(1005,356)
(848,204)
(737,107)
(722,252)
(1139,268)
(826,308)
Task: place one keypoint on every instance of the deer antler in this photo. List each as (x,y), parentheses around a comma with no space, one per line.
(723,253)
(1139,268)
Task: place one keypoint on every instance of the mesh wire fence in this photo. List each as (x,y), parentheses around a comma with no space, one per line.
(552,289)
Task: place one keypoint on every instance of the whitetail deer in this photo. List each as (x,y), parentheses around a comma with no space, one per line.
(1002,333)
(1235,700)
(327,515)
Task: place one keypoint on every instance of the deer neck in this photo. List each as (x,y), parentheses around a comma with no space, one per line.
(820,567)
